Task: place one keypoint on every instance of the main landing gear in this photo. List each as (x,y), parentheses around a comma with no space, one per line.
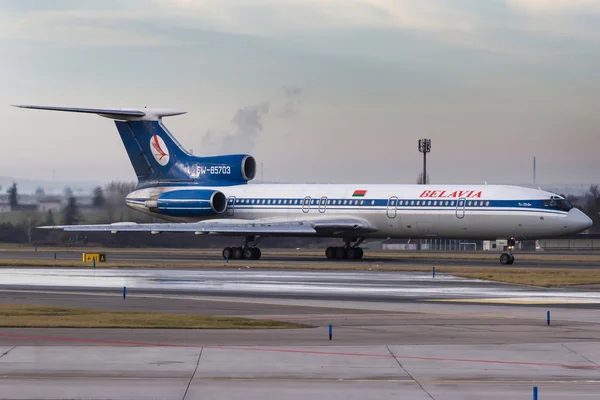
(347,252)
(508,258)
(245,252)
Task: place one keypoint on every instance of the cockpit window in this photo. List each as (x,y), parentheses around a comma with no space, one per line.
(558,204)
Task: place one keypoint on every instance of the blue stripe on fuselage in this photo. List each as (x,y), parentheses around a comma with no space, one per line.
(354,204)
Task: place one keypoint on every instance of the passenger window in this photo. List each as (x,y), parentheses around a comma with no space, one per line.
(412,203)
(429,203)
(487,203)
(469,204)
(452,203)
(372,202)
(418,202)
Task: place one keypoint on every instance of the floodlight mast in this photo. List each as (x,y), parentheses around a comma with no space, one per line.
(424,147)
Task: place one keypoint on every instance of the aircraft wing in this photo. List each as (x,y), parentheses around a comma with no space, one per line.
(319,226)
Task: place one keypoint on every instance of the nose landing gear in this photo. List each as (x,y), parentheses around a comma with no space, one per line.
(508,258)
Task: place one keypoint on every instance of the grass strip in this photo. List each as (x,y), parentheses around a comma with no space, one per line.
(30,316)
(537,277)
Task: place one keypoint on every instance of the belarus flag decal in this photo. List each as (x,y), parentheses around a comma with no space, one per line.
(359,193)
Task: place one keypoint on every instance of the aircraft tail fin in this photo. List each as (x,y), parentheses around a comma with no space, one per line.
(157,157)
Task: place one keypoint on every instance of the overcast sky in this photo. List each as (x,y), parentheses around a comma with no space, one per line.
(316,90)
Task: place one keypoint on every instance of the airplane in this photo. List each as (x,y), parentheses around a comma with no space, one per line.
(212,195)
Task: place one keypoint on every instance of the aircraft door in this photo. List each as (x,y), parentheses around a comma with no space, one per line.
(323,204)
(391,207)
(306,204)
(460,208)
(230,206)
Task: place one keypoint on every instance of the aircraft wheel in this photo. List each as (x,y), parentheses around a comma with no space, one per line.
(359,253)
(351,253)
(355,253)
(249,253)
(257,253)
(330,253)
(227,253)
(238,253)
(512,260)
(340,253)
(505,259)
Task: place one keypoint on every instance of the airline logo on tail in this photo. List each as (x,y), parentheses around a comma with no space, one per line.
(159,150)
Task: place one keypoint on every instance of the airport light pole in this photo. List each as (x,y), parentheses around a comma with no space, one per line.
(424,147)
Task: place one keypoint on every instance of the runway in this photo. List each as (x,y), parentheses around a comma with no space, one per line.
(298,284)
(396,335)
(311,258)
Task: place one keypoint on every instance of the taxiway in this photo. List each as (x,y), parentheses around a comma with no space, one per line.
(396,335)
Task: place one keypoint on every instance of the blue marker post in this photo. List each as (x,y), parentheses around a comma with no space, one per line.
(94,264)
(124,292)
(330,332)
(548,317)
(227,259)
(535,393)
(433,271)
(55,255)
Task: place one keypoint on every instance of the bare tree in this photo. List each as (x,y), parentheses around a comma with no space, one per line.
(98,200)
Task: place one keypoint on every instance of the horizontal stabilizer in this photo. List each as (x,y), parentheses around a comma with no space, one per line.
(122,114)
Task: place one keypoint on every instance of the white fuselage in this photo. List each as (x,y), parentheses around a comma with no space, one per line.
(398,211)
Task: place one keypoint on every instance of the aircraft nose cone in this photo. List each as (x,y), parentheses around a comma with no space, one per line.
(578,221)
